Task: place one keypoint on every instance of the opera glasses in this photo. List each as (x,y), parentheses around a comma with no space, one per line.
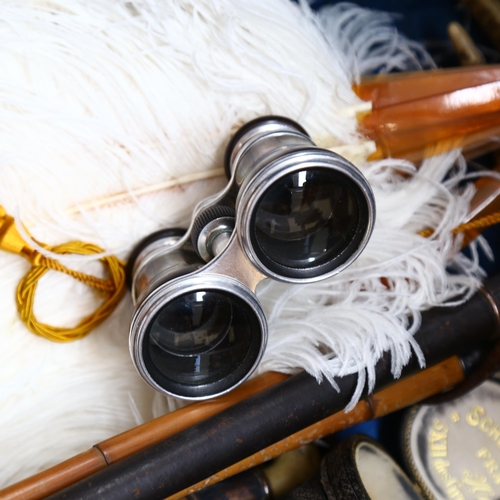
(291,212)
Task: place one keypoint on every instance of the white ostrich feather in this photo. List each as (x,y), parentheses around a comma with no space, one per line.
(105,102)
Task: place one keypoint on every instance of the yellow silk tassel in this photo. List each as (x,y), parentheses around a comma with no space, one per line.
(113,288)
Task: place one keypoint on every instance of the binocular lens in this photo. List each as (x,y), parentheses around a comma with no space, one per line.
(202,342)
(308,219)
(192,324)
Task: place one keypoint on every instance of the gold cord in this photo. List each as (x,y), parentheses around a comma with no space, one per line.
(112,288)
(481,223)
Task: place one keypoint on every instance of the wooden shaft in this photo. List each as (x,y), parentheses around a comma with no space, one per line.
(56,477)
(408,391)
(129,442)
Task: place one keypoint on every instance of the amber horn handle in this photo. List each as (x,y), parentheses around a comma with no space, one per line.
(418,115)
(390,89)
(176,463)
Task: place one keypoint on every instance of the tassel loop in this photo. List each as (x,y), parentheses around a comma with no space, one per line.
(113,288)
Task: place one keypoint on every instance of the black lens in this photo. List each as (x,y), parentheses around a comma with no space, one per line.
(202,343)
(192,324)
(309,222)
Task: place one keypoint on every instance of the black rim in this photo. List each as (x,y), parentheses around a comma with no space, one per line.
(145,242)
(248,126)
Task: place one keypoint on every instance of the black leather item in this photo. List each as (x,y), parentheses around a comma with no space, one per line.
(479,364)
(339,475)
(312,490)
(344,477)
(361,469)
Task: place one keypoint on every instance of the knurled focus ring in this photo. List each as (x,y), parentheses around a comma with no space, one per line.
(207,216)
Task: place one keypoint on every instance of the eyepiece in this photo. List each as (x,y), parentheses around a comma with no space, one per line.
(196,341)
(308,222)
(303,213)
